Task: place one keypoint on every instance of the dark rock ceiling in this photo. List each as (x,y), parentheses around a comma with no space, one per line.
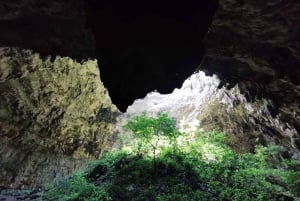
(267,33)
(141,46)
(256,44)
(47,27)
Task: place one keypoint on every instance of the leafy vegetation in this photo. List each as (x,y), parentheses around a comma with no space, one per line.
(188,166)
(149,131)
(77,188)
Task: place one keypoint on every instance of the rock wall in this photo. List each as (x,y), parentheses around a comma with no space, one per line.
(53,116)
(262,34)
(256,45)
(201,103)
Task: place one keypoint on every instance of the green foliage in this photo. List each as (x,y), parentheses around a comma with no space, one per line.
(133,177)
(202,168)
(179,176)
(293,180)
(76,188)
(149,131)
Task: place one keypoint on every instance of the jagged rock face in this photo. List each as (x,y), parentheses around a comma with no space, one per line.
(263,32)
(256,44)
(201,103)
(53,115)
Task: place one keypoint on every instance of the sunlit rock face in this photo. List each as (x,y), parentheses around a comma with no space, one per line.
(254,56)
(202,103)
(53,116)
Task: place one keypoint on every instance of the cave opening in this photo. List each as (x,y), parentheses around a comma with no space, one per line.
(147,46)
(141,46)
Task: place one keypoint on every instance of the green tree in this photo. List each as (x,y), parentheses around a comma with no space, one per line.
(149,130)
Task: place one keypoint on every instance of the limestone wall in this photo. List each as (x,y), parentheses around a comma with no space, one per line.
(52,116)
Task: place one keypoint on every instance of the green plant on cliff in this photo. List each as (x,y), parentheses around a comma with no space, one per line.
(202,168)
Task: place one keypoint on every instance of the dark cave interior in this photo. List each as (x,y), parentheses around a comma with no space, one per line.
(140,46)
(57,116)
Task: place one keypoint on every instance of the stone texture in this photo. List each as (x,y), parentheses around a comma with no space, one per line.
(202,103)
(256,44)
(53,116)
(262,34)
(21,195)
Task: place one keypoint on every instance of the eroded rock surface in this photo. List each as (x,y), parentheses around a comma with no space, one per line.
(53,116)
(201,103)
(256,44)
